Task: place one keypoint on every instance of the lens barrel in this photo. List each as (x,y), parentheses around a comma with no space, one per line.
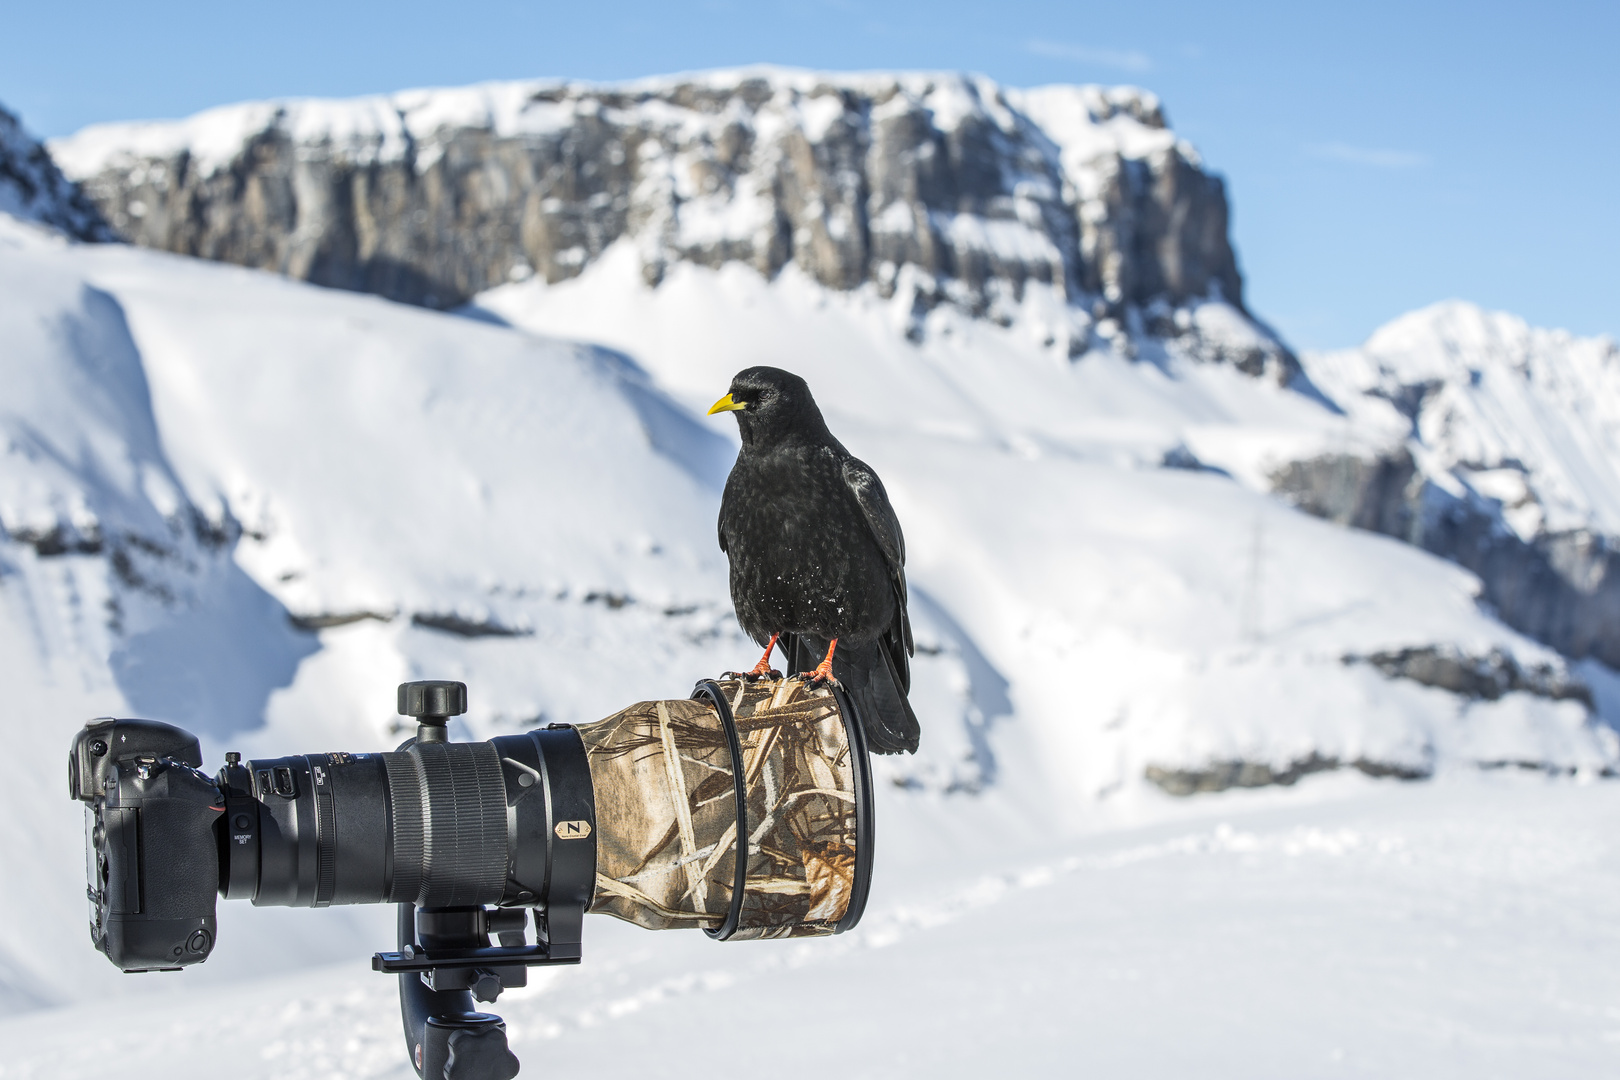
(438,824)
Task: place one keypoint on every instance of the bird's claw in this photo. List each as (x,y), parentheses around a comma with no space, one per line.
(822,674)
(758,673)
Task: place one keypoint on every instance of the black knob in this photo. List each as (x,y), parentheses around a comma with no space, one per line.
(432,699)
(485,985)
(480,1053)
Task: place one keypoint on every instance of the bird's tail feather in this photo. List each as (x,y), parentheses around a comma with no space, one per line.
(874,687)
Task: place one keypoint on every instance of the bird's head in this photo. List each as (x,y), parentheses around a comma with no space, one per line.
(771,405)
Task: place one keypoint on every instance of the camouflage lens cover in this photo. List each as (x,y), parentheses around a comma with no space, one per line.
(665,782)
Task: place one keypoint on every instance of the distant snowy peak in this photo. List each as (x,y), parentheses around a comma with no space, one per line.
(33,188)
(1527,417)
(1502,454)
(930,189)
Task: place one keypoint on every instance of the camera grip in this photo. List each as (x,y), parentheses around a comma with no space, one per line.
(157,865)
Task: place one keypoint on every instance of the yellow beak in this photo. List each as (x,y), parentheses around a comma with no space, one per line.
(726,404)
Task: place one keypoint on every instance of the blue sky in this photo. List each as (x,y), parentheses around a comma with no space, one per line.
(1379,156)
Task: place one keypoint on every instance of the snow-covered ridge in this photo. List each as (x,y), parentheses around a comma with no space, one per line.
(930,189)
(379,128)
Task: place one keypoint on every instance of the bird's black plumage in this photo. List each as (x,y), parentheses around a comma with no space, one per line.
(817,553)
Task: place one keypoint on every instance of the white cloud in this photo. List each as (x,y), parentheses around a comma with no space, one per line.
(1378,158)
(1122,59)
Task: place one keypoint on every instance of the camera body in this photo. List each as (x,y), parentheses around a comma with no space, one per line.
(152,842)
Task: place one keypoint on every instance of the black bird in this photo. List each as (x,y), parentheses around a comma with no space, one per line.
(817,557)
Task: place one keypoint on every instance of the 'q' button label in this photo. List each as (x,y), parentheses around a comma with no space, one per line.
(572,830)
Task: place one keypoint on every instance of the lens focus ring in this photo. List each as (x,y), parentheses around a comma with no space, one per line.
(463,813)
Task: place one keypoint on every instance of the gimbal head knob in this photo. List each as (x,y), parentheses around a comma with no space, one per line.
(433,703)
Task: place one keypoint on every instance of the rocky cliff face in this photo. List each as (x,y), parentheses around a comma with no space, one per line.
(33,188)
(1506,460)
(941,189)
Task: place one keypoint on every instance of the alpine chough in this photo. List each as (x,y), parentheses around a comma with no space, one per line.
(817,557)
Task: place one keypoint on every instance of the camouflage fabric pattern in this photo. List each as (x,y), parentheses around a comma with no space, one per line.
(666,811)
(800,784)
(666,815)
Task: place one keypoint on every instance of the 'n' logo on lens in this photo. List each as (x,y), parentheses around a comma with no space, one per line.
(572,830)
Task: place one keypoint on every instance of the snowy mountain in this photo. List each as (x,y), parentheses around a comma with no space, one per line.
(1074,208)
(1503,455)
(251,506)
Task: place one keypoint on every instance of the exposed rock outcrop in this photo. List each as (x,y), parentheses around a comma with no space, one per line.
(1223,775)
(33,188)
(1380,493)
(944,189)
(1485,678)
(461,626)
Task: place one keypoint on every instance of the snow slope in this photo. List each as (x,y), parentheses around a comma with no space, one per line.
(1500,454)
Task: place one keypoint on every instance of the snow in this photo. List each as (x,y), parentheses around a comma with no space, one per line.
(1089,122)
(818,114)
(1454,929)
(258,449)
(1014,241)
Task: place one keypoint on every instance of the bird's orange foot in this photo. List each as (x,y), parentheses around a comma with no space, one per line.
(762,670)
(822,674)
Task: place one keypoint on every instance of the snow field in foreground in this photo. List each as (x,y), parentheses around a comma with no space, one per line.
(1460,928)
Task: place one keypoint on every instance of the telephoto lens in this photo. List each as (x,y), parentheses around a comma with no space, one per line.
(514,821)
(435,824)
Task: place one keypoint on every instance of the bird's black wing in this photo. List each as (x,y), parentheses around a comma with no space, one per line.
(874,502)
(885,526)
(720,522)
